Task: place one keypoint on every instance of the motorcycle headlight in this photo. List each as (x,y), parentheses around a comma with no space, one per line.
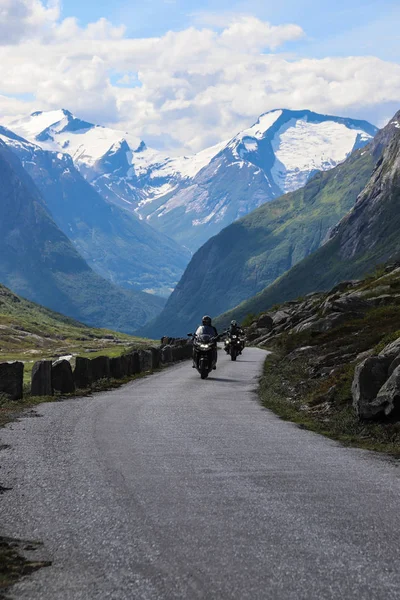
(234,337)
(205,346)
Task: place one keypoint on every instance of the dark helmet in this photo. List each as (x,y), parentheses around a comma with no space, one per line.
(234,323)
(206,320)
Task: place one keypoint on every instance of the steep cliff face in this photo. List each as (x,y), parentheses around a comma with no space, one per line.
(39,262)
(370,225)
(367,236)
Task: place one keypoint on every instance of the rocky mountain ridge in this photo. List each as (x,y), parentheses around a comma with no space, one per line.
(191,198)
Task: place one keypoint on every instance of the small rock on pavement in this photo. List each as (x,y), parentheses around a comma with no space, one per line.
(62,378)
(11,379)
(41,379)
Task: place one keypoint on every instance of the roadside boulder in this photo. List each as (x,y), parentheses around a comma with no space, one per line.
(388,398)
(265,321)
(166,354)
(155,357)
(369,377)
(392,350)
(181,352)
(41,379)
(280,317)
(100,368)
(320,325)
(12,379)
(393,365)
(62,378)
(116,368)
(135,363)
(146,360)
(83,372)
(127,366)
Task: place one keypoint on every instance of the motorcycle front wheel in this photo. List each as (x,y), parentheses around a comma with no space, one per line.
(203,369)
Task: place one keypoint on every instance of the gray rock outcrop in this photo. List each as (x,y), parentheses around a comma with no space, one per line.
(388,398)
(369,377)
(265,321)
(41,379)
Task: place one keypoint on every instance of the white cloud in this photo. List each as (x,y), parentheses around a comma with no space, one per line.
(192,87)
(26,19)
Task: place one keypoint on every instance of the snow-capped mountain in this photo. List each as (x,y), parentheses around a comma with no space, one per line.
(114,242)
(192,198)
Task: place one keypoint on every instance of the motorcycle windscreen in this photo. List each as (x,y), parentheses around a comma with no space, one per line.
(204,338)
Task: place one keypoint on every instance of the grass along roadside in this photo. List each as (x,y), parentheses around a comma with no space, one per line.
(316,347)
(13,565)
(288,391)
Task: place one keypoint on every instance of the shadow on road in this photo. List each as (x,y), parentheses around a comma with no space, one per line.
(222,379)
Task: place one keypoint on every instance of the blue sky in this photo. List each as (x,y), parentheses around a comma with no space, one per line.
(335,28)
(184,75)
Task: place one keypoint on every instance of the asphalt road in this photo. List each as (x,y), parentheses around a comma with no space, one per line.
(172,487)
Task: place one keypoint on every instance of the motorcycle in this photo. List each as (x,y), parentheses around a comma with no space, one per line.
(204,353)
(233,345)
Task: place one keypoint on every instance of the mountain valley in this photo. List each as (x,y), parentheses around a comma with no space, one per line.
(39,262)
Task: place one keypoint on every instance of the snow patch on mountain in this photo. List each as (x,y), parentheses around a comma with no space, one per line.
(302,147)
(87,143)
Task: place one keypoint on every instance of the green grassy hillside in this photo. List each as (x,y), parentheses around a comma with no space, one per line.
(366,237)
(30,332)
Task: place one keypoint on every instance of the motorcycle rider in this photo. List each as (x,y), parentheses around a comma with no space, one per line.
(234,329)
(207,328)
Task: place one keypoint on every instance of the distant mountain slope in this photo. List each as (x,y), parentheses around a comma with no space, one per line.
(192,198)
(39,262)
(276,155)
(251,253)
(114,242)
(367,236)
(26,326)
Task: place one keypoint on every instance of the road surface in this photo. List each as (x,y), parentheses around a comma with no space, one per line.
(175,488)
